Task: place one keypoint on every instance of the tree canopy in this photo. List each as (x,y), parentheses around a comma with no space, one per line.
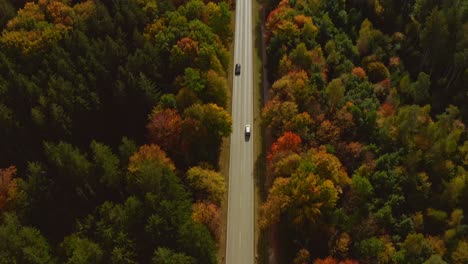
(367,115)
(100,105)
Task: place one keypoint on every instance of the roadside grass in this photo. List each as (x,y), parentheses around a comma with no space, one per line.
(261,240)
(224,156)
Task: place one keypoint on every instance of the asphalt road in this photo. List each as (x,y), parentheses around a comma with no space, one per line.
(240,223)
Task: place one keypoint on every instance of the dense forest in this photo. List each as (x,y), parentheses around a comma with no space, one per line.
(111,119)
(367,112)
(112,115)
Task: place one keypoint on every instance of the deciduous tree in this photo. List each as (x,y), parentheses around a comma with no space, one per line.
(8,186)
(208,214)
(334,92)
(165,128)
(207,184)
(147,168)
(277,114)
(460,255)
(288,142)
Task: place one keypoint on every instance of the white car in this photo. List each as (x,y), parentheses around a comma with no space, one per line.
(247,130)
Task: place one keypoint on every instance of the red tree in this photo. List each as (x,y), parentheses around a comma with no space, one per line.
(188,45)
(164,129)
(7,185)
(289,141)
(359,72)
(387,109)
(328,260)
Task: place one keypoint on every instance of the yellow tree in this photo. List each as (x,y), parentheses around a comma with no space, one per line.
(314,187)
(328,166)
(334,92)
(207,184)
(310,196)
(39,25)
(277,202)
(460,255)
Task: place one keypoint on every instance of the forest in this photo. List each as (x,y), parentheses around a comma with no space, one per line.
(111,119)
(112,114)
(367,114)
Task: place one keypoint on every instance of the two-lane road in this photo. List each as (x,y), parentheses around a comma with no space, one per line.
(240,224)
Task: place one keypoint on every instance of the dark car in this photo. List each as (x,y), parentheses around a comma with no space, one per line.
(237,71)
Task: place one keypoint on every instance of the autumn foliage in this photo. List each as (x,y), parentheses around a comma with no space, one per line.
(79,83)
(165,128)
(328,132)
(208,214)
(330,260)
(329,166)
(278,201)
(288,142)
(8,186)
(149,153)
(45,22)
(359,72)
(188,45)
(207,184)
(368,89)
(387,109)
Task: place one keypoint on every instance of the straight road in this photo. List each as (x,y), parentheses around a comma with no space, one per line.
(240,223)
